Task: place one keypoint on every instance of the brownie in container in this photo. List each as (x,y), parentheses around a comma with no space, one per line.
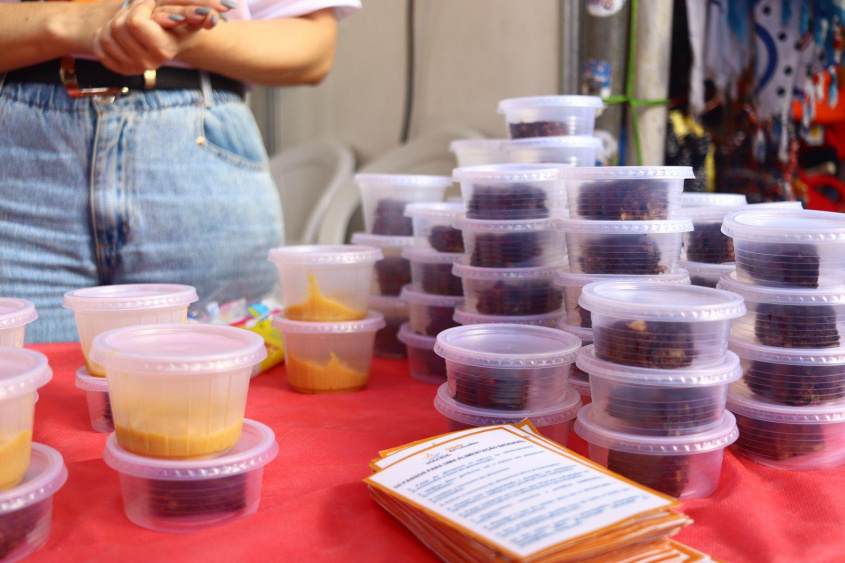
(431,271)
(512,191)
(433,225)
(384,198)
(512,244)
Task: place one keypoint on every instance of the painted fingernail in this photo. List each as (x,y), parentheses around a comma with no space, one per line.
(224,17)
(176,17)
(202,11)
(213,20)
(231,4)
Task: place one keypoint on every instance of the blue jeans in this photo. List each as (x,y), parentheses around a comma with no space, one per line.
(158,186)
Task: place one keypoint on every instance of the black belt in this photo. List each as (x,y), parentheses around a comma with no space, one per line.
(93,75)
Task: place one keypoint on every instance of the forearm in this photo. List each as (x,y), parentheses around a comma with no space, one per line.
(272,52)
(34,32)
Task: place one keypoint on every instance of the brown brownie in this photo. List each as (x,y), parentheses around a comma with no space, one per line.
(538,129)
(172,499)
(507,201)
(506,250)
(796,385)
(621,254)
(443,238)
(438,279)
(389,218)
(16,526)
(707,244)
(647,344)
(534,297)
(778,441)
(615,201)
(796,326)
(392,273)
(794,265)
(668,474)
(491,388)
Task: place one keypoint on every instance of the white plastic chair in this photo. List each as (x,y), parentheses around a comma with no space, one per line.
(427,154)
(309,177)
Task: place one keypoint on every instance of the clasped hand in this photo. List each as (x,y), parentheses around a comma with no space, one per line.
(149,33)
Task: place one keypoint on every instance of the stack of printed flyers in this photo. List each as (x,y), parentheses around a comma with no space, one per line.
(506,493)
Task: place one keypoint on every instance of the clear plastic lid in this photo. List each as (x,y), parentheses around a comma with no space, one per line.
(786,225)
(414,340)
(564,141)
(789,296)
(507,173)
(792,356)
(88,382)
(743,402)
(463,270)
(725,372)
(430,256)
(564,278)
(382,241)
(129,297)
(256,448)
(624,227)
(465,317)
(325,254)
(22,371)
(476,145)
(628,173)
(705,269)
(705,199)
(404,180)
(550,101)
(657,301)
(435,210)
(373,322)
(719,213)
(716,438)
(585,334)
(474,416)
(178,348)
(46,475)
(16,312)
(416,297)
(507,346)
(498,226)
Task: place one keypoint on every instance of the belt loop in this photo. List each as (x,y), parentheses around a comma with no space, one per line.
(207,93)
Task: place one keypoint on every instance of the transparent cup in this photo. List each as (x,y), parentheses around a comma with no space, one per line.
(431,271)
(550,116)
(395,312)
(509,291)
(512,191)
(97,397)
(425,365)
(464,317)
(572,150)
(512,244)
(430,314)
(15,314)
(385,197)
(393,271)
(433,225)
(706,275)
(477,152)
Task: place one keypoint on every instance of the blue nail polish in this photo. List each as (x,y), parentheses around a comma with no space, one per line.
(224,17)
(231,4)
(213,20)
(202,11)
(176,17)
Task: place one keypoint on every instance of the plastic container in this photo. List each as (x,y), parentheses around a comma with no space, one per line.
(658,402)
(430,314)
(178,391)
(573,283)
(631,248)
(507,367)
(464,317)
(583,388)
(574,150)
(395,312)
(326,283)
(625,193)
(329,357)
(552,422)
(185,496)
(788,318)
(785,437)
(433,225)
(706,275)
(512,244)
(103,308)
(15,314)
(21,373)
(792,377)
(660,326)
(710,199)
(788,248)
(477,152)
(385,196)
(684,467)
(707,243)
(550,116)
(425,365)
(509,291)
(393,271)
(431,271)
(512,192)
(97,397)
(26,512)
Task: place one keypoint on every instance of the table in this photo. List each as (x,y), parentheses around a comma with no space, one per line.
(315,508)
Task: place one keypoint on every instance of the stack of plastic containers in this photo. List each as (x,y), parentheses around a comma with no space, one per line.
(186,456)
(30,473)
(328,330)
(659,370)
(505,373)
(790,269)
(100,309)
(435,291)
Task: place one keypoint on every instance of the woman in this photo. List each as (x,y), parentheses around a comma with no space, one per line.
(161,176)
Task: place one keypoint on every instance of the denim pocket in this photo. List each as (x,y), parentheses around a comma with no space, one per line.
(231,134)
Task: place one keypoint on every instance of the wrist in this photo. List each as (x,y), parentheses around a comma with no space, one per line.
(73,28)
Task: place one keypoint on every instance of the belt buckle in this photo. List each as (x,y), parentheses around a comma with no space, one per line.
(67,74)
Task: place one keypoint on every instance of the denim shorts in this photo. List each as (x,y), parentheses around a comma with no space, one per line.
(158,186)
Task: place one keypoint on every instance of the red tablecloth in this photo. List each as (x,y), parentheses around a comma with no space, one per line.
(314,506)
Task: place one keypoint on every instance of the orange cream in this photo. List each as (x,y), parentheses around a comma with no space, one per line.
(334,377)
(180,442)
(319,308)
(14,458)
